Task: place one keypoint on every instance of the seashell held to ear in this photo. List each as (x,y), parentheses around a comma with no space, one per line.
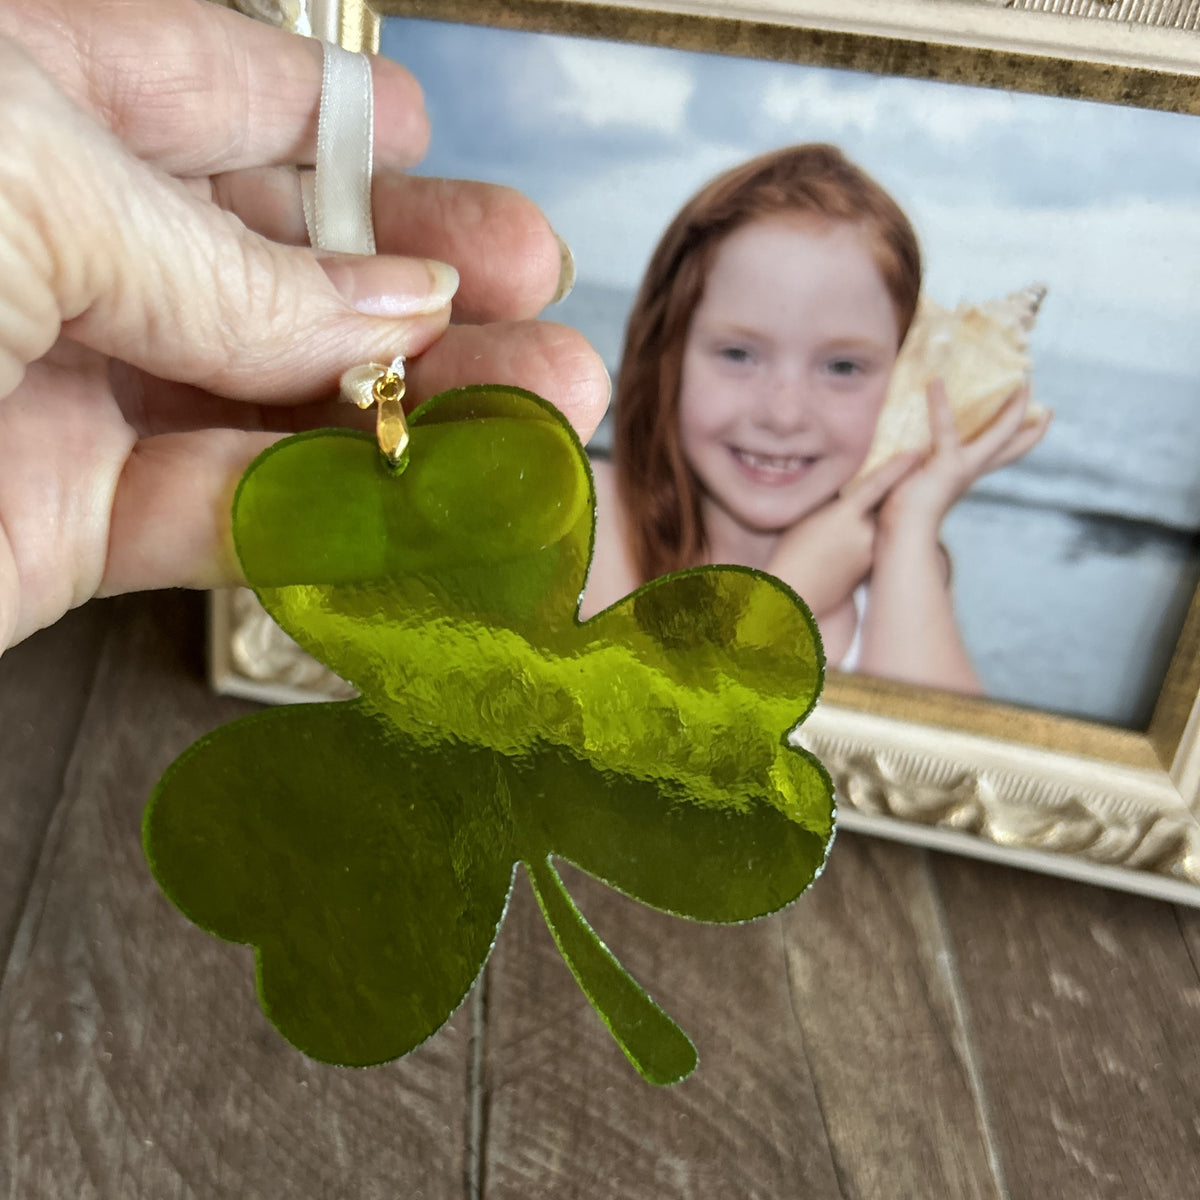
(978,350)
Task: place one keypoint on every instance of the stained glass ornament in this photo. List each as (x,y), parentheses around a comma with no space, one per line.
(366,848)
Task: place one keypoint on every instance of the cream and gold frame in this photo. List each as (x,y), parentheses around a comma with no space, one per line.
(1070,797)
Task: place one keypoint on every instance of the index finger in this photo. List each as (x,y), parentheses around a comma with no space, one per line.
(197,89)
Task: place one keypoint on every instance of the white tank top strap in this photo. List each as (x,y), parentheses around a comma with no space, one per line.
(854,653)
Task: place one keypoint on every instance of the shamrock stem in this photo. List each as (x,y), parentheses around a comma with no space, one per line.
(656,1046)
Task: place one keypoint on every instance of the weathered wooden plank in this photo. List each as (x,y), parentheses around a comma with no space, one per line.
(134,1061)
(1084,1008)
(880,1009)
(566,1114)
(44,684)
(830,1061)
(1189,929)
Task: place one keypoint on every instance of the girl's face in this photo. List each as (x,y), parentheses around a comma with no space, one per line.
(785,369)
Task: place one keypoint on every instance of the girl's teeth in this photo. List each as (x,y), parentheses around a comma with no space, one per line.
(771,462)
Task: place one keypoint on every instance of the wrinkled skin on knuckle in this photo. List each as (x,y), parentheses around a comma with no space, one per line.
(144,264)
(155,109)
(33,262)
(274,327)
(61,454)
(190,103)
(29,318)
(141,79)
(88,208)
(41,29)
(191,90)
(252,310)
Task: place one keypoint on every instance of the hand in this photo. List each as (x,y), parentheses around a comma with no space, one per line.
(827,554)
(923,499)
(160,323)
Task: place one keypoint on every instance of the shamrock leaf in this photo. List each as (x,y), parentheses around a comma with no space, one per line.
(366,849)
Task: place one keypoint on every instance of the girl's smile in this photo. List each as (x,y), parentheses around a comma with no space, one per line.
(785,369)
(771,470)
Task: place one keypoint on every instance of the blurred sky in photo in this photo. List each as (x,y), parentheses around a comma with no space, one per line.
(1102,203)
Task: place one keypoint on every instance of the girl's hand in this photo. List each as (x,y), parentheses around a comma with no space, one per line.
(827,554)
(921,501)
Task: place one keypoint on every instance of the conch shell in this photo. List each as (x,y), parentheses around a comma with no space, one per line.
(977,350)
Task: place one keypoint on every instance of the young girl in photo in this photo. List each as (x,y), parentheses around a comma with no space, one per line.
(757,359)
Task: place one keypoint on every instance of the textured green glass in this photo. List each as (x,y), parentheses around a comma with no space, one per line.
(366,849)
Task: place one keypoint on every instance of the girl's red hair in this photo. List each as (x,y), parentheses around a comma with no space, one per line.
(659,492)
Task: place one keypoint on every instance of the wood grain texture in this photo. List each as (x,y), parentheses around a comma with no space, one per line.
(44,685)
(830,1060)
(917,1026)
(1084,1014)
(566,1115)
(879,1004)
(1189,929)
(134,1061)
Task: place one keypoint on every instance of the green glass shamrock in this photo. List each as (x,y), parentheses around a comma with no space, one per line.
(366,849)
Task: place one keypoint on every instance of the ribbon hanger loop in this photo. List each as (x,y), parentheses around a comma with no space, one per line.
(337,195)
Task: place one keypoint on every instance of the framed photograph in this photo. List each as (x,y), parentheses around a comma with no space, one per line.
(1044,150)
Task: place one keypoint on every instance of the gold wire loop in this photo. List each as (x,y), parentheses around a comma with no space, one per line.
(391,429)
(384,386)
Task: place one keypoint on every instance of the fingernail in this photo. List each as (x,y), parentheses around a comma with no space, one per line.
(566,271)
(392,287)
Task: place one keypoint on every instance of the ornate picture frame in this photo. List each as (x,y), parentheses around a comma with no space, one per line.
(1119,807)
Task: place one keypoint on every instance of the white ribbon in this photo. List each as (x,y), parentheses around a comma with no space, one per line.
(337,195)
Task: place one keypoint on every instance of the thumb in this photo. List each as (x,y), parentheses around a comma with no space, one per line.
(869,491)
(129,261)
